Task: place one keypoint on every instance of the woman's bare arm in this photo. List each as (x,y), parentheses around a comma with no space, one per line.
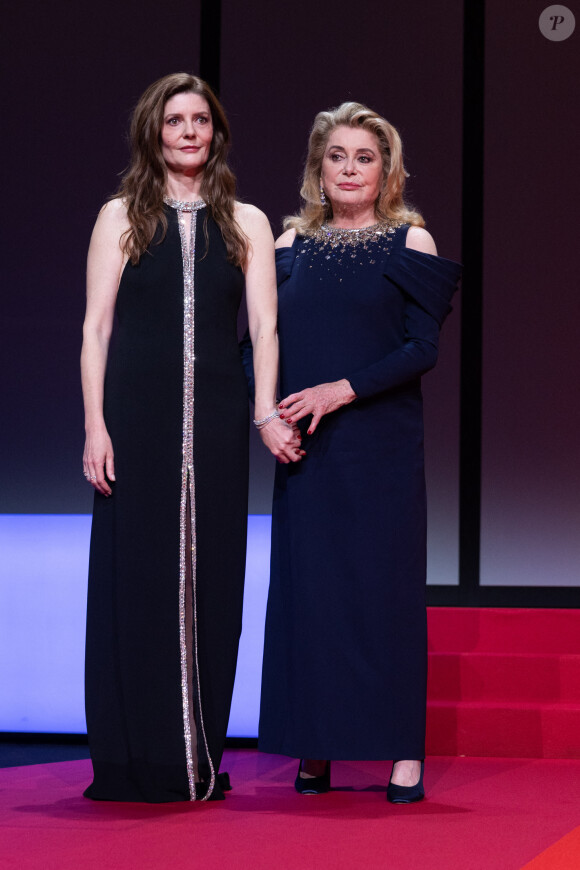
(261,297)
(104,266)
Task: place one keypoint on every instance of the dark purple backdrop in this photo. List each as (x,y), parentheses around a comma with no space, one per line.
(72,73)
(313,58)
(531,412)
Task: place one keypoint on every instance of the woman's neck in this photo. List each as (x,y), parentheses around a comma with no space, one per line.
(183,188)
(353,218)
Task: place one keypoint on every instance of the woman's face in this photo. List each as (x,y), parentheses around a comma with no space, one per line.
(186,133)
(352,168)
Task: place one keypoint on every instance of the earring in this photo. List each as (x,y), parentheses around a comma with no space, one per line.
(322,196)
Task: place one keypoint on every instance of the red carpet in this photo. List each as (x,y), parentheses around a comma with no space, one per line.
(481,814)
(504,682)
(501,683)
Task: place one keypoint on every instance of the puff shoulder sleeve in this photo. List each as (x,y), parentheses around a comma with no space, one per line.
(428,283)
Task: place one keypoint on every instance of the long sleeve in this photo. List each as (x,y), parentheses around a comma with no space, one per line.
(427,283)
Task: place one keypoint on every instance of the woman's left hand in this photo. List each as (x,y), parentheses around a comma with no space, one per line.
(283,441)
(318,401)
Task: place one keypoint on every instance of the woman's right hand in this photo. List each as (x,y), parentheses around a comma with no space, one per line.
(98,460)
(283,440)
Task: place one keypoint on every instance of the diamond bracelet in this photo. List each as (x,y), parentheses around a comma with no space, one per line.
(259,424)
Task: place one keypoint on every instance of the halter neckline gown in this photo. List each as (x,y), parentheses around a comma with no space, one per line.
(345,657)
(167,553)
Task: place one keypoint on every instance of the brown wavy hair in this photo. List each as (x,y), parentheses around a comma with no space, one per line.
(143,185)
(390,205)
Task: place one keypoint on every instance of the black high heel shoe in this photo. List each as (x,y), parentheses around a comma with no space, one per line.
(406,794)
(313,784)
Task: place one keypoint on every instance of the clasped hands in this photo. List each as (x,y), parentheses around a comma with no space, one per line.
(282,435)
(282,440)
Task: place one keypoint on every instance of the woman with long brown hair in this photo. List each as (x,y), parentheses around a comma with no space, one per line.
(166,451)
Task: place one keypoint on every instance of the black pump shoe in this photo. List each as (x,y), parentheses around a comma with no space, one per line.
(406,794)
(313,784)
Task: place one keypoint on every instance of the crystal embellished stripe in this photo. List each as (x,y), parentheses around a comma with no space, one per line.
(188,493)
(340,236)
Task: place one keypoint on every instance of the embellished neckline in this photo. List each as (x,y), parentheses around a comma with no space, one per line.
(342,236)
(184,205)
(330,229)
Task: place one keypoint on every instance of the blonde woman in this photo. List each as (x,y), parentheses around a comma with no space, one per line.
(166,448)
(362,295)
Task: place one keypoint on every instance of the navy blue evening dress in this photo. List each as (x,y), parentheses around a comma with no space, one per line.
(345,656)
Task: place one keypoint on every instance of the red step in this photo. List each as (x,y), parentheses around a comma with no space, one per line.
(503,629)
(504,682)
(508,730)
(503,677)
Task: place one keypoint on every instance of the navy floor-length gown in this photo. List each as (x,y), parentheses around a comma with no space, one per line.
(345,657)
(167,555)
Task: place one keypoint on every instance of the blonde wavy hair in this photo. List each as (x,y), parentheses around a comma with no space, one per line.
(390,206)
(143,185)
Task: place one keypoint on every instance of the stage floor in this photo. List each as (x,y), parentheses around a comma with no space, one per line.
(480,814)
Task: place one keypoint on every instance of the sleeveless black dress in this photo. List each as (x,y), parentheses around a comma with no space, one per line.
(345,655)
(167,555)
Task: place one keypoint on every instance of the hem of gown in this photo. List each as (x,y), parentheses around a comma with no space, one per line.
(115,786)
